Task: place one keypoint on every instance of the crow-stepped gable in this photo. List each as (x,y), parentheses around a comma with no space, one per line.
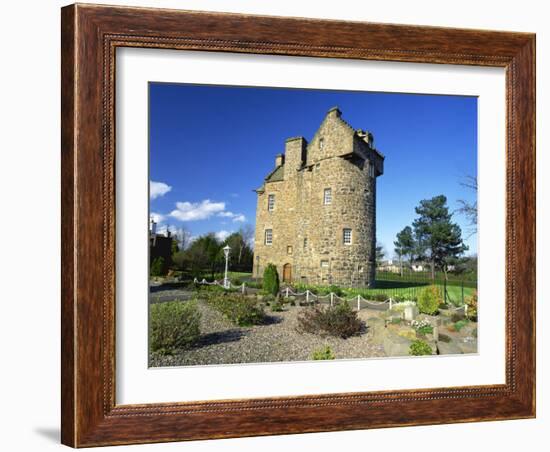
(316,211)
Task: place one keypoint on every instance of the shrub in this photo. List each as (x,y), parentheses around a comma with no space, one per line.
(239,309)
(422,326)
(472,307)
(157,266)
(276,306)
(322,354)
(420,348)
(325,290)
(173,325)
(378,297)
(461,324)
(254,284)
(429,300)
(340,321)
(237,282)
(271,280)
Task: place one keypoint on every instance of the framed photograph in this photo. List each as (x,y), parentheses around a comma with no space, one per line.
(281,225)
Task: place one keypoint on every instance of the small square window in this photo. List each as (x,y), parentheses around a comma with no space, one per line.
(305,243)
(327,197)
(347,236)
(321,143)
(269,236)
(289,249)
(324,263)
(271,202)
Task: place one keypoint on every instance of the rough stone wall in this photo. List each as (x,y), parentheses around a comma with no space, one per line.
(301,215)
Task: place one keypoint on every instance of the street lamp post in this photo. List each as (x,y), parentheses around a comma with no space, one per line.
(226,249)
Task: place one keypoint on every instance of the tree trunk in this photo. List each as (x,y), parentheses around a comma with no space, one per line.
(433,270)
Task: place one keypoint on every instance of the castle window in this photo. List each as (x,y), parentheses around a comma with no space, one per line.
(347,236)
(289,249)
(305,243)
(271,202)
(327,198)
(324,263)
(269,236)
(321,143)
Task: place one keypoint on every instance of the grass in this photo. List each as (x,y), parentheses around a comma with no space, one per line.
(404,289)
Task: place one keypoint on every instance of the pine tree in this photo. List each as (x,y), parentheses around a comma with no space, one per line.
(439,237)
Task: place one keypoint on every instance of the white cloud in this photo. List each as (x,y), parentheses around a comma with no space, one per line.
(223,234)
(158,189)
(191,211)
(237,217)
(157,217)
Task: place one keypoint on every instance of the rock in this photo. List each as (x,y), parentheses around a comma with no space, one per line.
(395,345)
(410,313)
(467,345)
(408,333)
(448,348)
(377,328)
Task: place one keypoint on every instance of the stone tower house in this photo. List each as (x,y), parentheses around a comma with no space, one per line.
(316,211)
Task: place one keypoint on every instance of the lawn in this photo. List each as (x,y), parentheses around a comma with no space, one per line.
(398,287)
(404,289)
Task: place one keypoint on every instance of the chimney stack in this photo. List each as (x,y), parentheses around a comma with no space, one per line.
(279,160)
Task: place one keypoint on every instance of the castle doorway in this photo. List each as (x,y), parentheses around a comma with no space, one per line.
(287,273)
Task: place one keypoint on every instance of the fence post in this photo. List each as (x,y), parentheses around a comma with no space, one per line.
(286,293)
(243,288)
(307,295)
(390,303)
(331,299)
(358,302)
(466,311)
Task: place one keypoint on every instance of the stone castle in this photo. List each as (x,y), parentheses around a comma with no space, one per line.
(316,211)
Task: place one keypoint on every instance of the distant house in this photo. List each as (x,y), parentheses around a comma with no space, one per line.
(390,265)
(419,267)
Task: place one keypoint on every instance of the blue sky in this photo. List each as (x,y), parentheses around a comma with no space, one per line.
(211,146)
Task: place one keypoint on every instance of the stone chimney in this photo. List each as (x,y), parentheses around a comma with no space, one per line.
(295,154)
(279,160)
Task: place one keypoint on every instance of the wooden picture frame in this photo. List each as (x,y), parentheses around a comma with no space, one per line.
(90,36)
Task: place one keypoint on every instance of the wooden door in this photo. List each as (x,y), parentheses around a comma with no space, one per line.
(287,273)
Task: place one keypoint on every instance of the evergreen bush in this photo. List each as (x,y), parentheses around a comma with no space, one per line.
(420,348)
(429,300)
(157,266)
(323,354)
(271,280)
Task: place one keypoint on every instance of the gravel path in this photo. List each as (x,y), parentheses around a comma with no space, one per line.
(222,342)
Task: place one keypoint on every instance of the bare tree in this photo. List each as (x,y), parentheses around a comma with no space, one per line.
(183,237)
(467,208)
